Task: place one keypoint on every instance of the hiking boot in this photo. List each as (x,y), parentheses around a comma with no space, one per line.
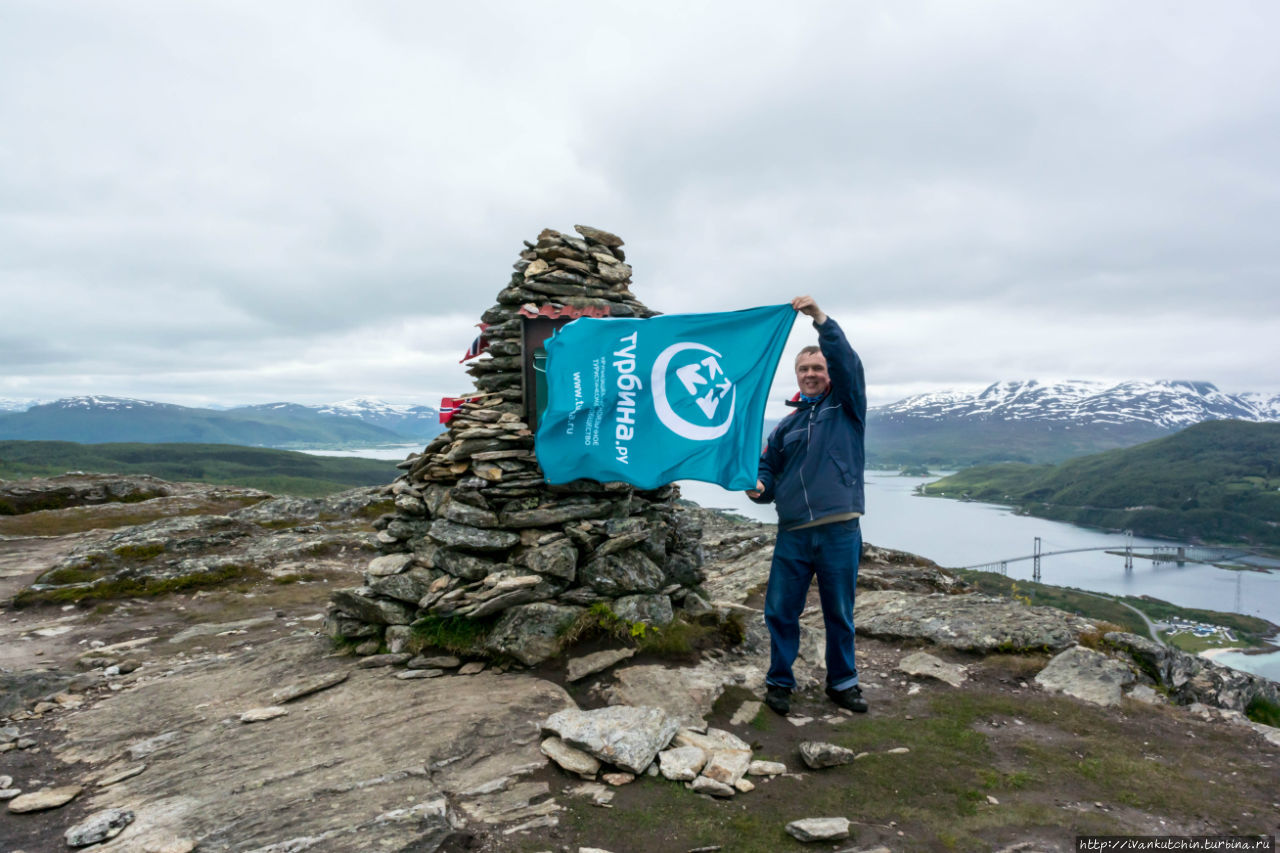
(778,699)
(850,697)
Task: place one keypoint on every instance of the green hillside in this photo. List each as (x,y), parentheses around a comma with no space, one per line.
(291,426)
(281,472)
(893,441)
(1216,481)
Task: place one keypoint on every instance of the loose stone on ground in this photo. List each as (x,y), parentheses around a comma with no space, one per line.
(819,829)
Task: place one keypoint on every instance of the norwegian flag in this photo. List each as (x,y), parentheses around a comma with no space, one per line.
(449,407)
(478,346)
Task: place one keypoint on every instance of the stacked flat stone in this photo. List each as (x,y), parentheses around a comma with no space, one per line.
(478,533)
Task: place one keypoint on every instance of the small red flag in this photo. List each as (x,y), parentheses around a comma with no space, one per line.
(449,407)
(478,346)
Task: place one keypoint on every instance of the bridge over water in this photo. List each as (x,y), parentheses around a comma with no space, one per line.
(1179,554)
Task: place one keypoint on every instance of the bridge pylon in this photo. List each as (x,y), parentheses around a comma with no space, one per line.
(1128,551)
(1035,564)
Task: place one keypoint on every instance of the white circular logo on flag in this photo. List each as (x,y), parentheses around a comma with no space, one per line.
(700,381)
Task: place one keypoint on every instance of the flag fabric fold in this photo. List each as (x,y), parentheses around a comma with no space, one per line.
(479,345)
(649,402)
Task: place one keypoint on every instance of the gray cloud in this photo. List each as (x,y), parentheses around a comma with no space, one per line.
(246,202)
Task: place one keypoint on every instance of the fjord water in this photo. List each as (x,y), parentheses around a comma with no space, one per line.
(956,533)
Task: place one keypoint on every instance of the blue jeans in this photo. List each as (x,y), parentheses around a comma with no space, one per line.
(831,552)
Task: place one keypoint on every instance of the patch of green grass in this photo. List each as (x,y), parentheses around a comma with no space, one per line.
(1246,627)
(70,575)
(139,553)
(1192,644)
(110,516)
(456,634)
(677,639)
(1261,711)
(673,819)
(294,577)
(377,508)
(139,587)
(599,620)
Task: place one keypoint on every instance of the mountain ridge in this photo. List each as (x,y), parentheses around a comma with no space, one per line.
(1048,422)
(98,418)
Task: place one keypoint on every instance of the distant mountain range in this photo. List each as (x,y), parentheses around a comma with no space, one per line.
(1030,421)
(1017,421)
(284,425)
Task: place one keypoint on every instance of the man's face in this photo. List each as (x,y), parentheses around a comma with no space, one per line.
(811,374)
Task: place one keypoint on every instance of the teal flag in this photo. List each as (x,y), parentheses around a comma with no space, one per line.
(648,402)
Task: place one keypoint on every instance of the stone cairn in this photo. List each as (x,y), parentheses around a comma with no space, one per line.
(478,534)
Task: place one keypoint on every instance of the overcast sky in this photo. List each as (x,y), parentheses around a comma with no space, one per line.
(240,202)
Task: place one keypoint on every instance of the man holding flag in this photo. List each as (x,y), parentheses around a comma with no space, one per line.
(812,469)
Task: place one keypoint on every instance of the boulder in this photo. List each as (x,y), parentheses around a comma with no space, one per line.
(1087,675)
(681,764)
(622,574)
(625,736)
(454,535)
(685,693)
(1191,678)
(42,800)
(570,759)
(974,623)
(389,564)
(98,827)
(650,609)
(408,586)
(558,560)
(531,633)
(705,785)
(581,667)
(466,566)
(819,829)
(817,754)
(925,664)
(362,603)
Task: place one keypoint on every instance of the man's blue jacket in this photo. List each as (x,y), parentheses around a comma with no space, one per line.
(812,465)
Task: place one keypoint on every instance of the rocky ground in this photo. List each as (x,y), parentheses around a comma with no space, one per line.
(218,717)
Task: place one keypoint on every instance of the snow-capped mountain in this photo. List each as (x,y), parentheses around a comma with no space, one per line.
(1039,422)
(1167,404)
(103,404)
(408,419)
(98,419)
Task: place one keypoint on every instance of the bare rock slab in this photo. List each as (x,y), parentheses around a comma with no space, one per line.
(351,775)
(260,715)
(686,694)
(819,829)
(926,665)
(98,827)
(626,736)
(581,667)
(817,754)
(976,623)
(43,800)
(307,686)
(1087,675)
